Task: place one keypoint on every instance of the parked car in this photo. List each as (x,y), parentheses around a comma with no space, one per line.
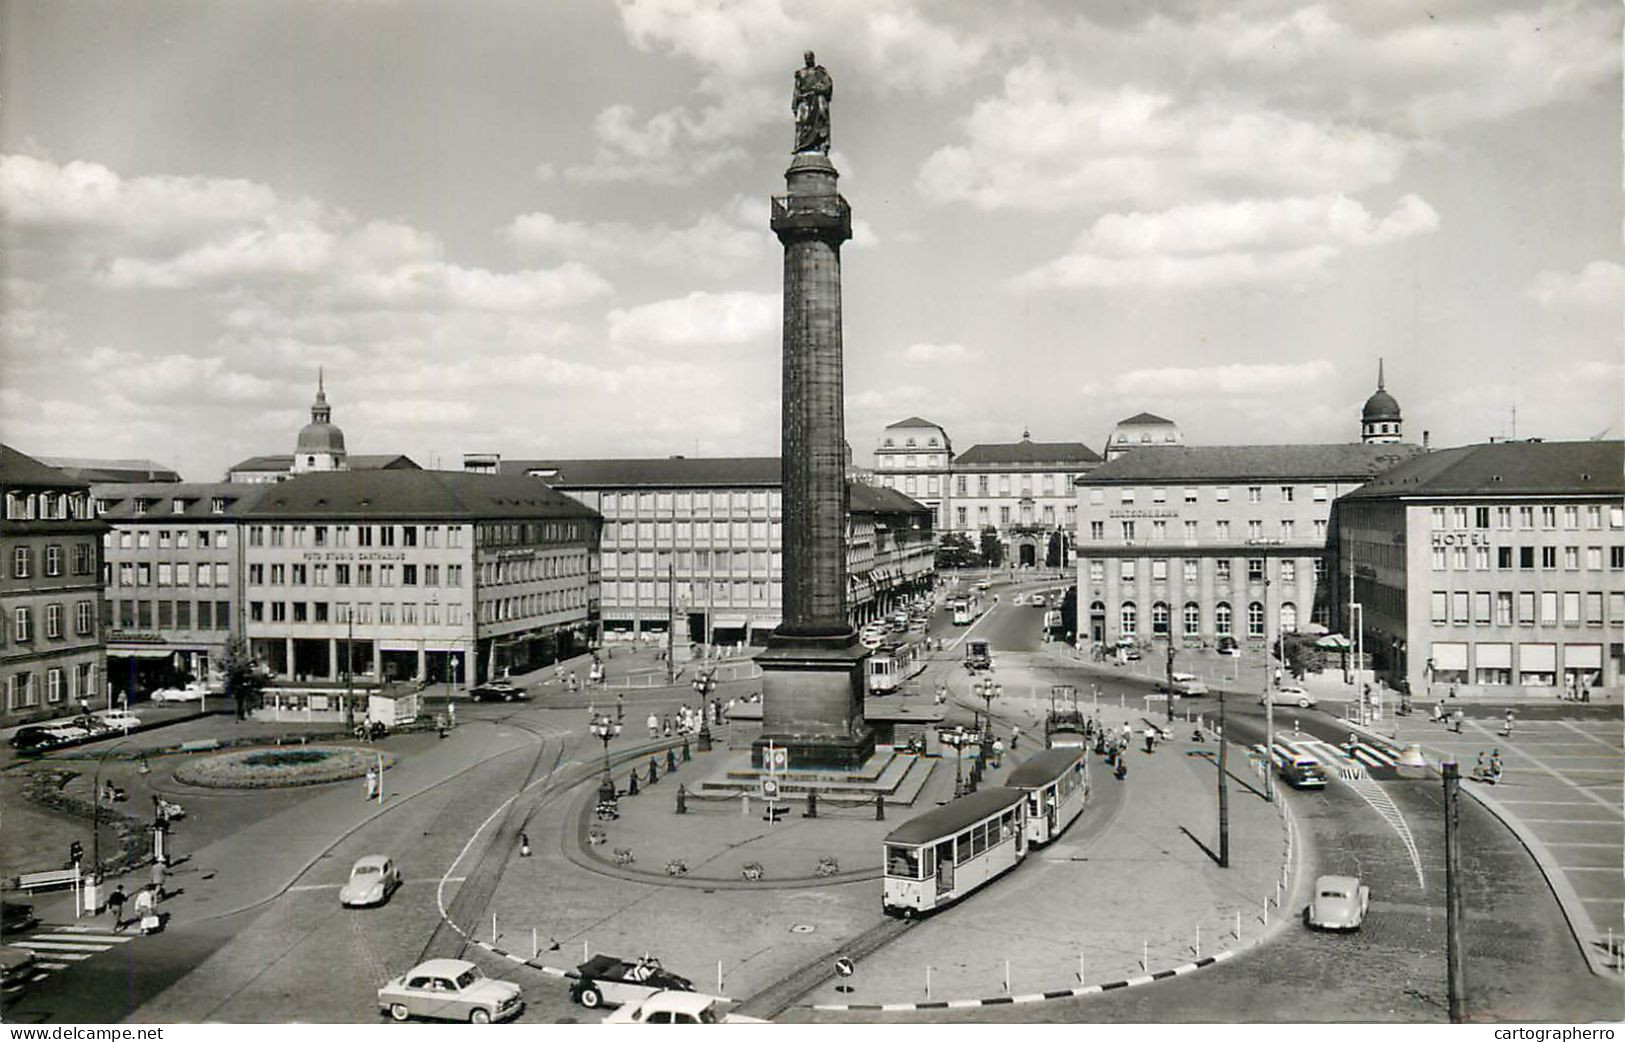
(677,1007)
(1228,645)
(372,879)
(16,966)
(1288,695)
(497,690)
(119,719)
(1339,903)
(1184,684)
(872,640)
(32,739)
(604,980)
(191,692)
(16,917)
(450,989)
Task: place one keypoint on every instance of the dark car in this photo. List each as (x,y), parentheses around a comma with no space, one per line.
(32,739)
(15,918)
(1229,646)
(500,690)
(606,980)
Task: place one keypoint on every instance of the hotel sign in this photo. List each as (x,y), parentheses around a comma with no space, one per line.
(1461,539)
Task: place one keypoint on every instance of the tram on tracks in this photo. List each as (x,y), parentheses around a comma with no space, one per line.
(944,854)
(1056,782)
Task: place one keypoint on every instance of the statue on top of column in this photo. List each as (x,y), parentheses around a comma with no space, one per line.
(810,103)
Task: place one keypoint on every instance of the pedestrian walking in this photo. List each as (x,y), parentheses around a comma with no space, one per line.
(620,707)
(451,714)
(143,904)
(157,877)
(372,783)
(666,727)
(998,752)
(115,904)
(1456,717)
(1509,720)
(654,726)
(1015,737)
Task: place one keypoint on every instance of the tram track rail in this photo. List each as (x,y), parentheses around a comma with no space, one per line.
(779,996)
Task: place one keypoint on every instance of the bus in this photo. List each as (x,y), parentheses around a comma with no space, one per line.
(944,854)
(1056,782)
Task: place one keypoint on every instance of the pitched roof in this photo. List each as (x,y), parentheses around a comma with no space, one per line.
(20,470)
(659,472)
(912,421)
(197,499)
(98,470)
(262,463)
(1146,417)
(417,494)
(1019,452)
(1244,462)
(1507,469)
(385,461)
(878,499)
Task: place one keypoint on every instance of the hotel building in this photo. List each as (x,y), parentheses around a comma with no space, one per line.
(51,652)
(1491,568)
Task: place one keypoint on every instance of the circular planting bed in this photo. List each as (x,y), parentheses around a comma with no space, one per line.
(280,767)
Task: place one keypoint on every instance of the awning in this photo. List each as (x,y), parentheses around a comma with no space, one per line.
(1449,656)
(1493,656)
(1537,658)
(1334,641)
(140,652)
(1582,656)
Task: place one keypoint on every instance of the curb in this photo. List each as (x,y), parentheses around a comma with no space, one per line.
(1037,996)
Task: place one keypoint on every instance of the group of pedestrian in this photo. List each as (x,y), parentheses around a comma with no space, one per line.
(1576,689)
(1488,769)
(1451,718)
(143,907)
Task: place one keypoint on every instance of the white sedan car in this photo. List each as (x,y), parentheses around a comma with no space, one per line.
(1289,695)
(372,880)
(676,1007)
(192,692)
(450,989)
(1340,903)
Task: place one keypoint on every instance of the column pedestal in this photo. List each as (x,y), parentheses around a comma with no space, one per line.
(812,702)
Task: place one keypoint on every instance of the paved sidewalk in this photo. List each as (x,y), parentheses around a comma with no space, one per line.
(1563,794)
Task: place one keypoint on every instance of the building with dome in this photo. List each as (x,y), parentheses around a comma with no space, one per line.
(318,449)
(1380,421)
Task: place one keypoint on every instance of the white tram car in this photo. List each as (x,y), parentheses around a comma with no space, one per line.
(942,855)
(1056,782)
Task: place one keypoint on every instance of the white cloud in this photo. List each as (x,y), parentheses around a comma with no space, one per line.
(932,353)
(1599,284)
(1223,380)
(717,243)
(697,320)
(1051,141)
(1287,241)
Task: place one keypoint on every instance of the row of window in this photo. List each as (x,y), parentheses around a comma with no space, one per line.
(1045,516)
(693,595)
(523,533)
(182,573)
(1457,558)
(1221,494)
(1286,531)
(84,622)
(1128,616)
(1049,484)
(345,574)
(1462,518)
(165,538)
(409,613)
(657,504)
(1536,664)
(525,569)
(661,563)
(178,505)
(665,533)
(23,686)
(1527,608)
(146,615)
(22,560)
(47,506)
(362,535)
(1189,569)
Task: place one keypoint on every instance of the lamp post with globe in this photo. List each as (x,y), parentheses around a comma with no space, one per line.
(987,691)
(606,729)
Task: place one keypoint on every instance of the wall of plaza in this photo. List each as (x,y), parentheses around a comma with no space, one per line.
(1494,593)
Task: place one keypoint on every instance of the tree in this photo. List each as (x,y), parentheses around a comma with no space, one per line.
(1069,614)
(1057,549)
(956,551)
(992,548)
(245,680)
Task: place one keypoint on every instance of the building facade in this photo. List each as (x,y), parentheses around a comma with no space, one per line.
(916,457)
(428,575)
(52,659)
(1142,431)
(700,541)
(1023,491)
(172,576)
(1490,568)
(1214,541)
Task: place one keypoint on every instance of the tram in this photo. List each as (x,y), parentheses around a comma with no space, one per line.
(942,855)
(1056,782)
(889,665)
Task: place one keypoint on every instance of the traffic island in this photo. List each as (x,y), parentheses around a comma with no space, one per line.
(282,767)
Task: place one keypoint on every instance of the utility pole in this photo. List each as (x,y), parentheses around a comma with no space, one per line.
(671,622)
(1456,955)
(1269,696)
(1170,673)
(1224,788)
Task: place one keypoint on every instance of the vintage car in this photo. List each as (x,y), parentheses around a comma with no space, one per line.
(1289,695)
(497,690)
(676,1007)
(1184,684)
(16,917)
(450,989)
(372,879)
(604,980)
(16,966)
(1339,904)
(193,691)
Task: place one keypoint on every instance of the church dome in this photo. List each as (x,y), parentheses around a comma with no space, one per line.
(1380,406)
(320,437)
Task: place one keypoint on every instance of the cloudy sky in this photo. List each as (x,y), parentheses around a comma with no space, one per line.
(540,228)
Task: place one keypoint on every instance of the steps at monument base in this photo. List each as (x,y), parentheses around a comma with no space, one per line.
(899,782)
(869,773)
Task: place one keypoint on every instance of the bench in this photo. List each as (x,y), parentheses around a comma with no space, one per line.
(31,881)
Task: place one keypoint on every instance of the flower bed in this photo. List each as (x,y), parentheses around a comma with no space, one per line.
(281,767)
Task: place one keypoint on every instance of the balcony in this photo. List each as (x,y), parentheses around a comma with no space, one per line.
(822,215)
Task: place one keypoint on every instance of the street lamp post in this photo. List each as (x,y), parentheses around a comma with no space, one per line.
(605,729)
(987,691)
(1170,672)
(1269,701)
(1224,787)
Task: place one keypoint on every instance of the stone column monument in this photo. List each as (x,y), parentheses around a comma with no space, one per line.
(812,684)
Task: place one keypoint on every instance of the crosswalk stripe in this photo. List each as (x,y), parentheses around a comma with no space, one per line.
(66,956)
(109,938)
(58,946)
(52,965)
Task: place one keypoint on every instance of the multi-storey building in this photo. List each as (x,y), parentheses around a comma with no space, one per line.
(700,541)
(172,573)
(1490,568)
(1023,491)
(1142,431)
(916,457)
(434,575)
(1204,542)
(51,653)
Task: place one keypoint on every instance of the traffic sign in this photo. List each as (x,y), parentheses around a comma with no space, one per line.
(844,967)
(778,759)
(770,787)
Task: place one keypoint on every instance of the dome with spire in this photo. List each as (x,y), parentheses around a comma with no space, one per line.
(1381,405)
(320,435)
